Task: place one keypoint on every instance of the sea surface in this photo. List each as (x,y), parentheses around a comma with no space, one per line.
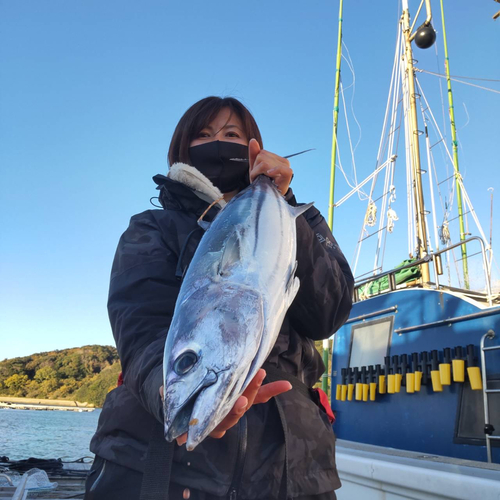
(46,434)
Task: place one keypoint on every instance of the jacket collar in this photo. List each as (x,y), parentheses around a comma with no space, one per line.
(186,188)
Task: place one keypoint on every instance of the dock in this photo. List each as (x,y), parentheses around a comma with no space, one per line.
(7,402)
(70,479)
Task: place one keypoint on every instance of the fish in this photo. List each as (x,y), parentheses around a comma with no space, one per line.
(230,308)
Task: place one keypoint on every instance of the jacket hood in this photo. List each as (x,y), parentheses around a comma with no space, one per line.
(186,188)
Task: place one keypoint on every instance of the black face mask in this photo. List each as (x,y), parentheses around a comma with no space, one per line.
(214,161)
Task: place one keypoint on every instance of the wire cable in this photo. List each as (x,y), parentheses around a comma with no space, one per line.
(458,81)
(457,76)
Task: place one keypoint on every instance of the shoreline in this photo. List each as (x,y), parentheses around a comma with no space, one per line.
(44,408)
(13,403)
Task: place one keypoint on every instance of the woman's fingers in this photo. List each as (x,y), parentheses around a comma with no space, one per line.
(182,439)
(253,151)
(274,166)
(255,393)
(217,434)
(232,418)
(250,396)
(254,386)
(244,402)
(258,393)
(268,391)
(270,164)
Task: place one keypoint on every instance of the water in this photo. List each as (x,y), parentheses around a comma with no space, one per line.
(46,434)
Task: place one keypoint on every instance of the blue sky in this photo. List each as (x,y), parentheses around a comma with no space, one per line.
(91,91)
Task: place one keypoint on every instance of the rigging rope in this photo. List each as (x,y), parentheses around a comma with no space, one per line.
(443,230)
(361,194)
(353,185)
(429,174)
(339,156)
(457,76)
(458,81)
(53,466)
(438,64)
(371,215)
(391,217)
(341,167)
(351,67)
(449,203)
(386,146)
(444,233)
(473,213)
(388,181)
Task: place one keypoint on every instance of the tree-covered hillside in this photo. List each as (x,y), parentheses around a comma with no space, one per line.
(83,374)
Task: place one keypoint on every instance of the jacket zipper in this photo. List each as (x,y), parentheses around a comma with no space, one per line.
(240,458)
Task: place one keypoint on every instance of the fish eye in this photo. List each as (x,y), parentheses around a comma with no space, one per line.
(185,362)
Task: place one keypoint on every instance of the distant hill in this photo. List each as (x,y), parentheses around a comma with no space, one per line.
(83,373)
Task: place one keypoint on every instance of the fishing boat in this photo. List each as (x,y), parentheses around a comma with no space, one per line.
(415,371)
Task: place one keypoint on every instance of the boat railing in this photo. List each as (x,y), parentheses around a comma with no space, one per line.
(435,259)
(438,266)
(391,275)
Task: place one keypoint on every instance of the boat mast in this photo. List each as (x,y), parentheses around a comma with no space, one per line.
(335,118)
(414,147)
(455,156)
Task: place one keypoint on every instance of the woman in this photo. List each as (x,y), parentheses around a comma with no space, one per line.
(276,442)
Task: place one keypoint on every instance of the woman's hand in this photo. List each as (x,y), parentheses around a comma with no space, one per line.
(274,166)
(254,394)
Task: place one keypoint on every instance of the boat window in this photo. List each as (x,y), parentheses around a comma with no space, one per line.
(370,341)
(469,427)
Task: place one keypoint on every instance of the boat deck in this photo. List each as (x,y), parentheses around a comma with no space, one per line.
(435,462)
(376,473)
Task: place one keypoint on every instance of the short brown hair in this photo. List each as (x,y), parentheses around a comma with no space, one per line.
(199,116)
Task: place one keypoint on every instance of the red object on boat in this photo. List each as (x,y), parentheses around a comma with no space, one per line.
(323,399)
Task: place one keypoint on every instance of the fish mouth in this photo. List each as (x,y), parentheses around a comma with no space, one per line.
(181,421)
(205,417)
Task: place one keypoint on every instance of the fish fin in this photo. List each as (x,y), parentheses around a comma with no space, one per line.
(232,253)
(292,291)
(292,287)
(296,211)
(292,275)
(204,224)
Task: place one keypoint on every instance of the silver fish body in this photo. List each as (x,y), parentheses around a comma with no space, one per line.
(230,309)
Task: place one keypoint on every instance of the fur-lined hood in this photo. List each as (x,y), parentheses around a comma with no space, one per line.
(194,179)
(186,188)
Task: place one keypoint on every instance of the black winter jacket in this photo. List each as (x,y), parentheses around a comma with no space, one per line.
(250,457)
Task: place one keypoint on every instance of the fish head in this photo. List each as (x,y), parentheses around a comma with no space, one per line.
(214,337)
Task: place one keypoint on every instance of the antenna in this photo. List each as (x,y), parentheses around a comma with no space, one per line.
(335,119)
(491,190)
(461,219)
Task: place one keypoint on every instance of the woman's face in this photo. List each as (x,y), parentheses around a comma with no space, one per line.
(225,127)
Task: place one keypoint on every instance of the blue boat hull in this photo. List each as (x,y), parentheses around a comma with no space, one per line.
(425,421)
